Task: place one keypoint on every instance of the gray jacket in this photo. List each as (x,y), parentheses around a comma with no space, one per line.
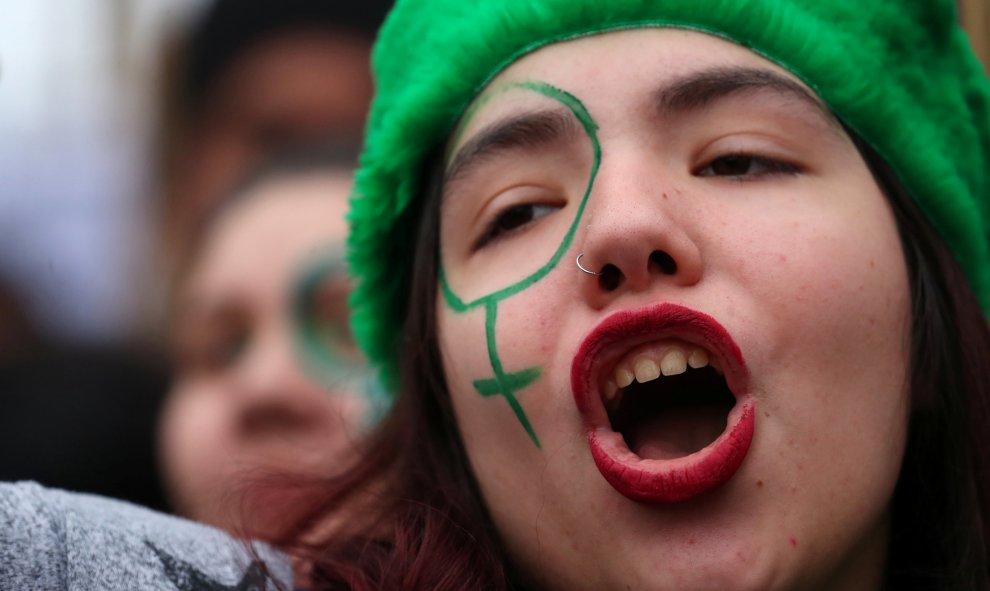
(56,540)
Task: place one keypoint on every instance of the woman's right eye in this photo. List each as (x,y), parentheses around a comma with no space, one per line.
(746,167)
(225,351)
(209,353)
(512,219)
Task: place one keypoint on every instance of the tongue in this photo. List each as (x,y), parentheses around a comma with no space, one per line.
(677,432)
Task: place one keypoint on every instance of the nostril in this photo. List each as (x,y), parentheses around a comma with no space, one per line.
(610,277)
(665,262)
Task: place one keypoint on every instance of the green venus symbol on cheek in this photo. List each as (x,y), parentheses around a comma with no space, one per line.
(508,384)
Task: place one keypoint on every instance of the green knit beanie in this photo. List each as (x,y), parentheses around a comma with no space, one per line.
(900,73)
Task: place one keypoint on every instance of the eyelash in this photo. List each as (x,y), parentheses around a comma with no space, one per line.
(494,231)
(769,166)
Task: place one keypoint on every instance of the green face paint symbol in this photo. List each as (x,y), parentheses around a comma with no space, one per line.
(558,171)
(328,353)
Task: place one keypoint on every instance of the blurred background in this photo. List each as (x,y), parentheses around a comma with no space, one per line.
(122,123)
(82,369)
(79,86)
(112,144)
(975,15)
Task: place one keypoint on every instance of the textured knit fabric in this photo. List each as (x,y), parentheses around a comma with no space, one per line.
(900,73)
(59,541)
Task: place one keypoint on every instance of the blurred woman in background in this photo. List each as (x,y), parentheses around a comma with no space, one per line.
(268,379)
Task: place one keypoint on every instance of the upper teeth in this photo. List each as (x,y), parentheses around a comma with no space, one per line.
(646,369)
(650,364)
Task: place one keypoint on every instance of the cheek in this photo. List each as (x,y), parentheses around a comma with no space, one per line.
(519,337)
(503,452)
(830,290)
(197,439)
(463,349)
(516,478)
(827,321)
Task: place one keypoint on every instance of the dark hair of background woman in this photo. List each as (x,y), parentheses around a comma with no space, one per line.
(425,526)
(228,28)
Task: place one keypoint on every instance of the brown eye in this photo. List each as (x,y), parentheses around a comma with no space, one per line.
(744,166)
(513,219)
(224,350)
(213,343)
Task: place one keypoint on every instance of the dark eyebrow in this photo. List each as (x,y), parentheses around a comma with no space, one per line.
(700,89)
(523,132)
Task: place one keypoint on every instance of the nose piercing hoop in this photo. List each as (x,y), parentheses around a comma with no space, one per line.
(577,261)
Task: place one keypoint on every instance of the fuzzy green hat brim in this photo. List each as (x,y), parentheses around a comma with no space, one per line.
(900,73)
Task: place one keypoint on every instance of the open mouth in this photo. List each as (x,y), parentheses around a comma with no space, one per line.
(669,403)
(663,393)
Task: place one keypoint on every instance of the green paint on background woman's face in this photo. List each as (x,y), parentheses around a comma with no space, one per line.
(321,330)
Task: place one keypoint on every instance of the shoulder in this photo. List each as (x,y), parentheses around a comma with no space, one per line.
(54,539)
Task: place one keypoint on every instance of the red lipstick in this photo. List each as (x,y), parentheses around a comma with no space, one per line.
(661,480)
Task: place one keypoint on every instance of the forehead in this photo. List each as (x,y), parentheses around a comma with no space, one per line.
(275,227)
(609,72)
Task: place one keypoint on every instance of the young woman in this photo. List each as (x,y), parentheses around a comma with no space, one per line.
(679,295)
(268,378)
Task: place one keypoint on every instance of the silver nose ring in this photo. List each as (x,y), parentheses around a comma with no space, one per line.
(577,261)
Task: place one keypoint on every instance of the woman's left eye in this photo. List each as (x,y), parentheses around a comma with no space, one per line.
(513,219)
(744,166)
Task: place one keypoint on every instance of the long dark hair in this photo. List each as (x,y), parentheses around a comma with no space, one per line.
(414,519)
(940,527)
(424,525)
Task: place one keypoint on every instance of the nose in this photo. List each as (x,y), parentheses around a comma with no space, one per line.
(271,393)
(638,237)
